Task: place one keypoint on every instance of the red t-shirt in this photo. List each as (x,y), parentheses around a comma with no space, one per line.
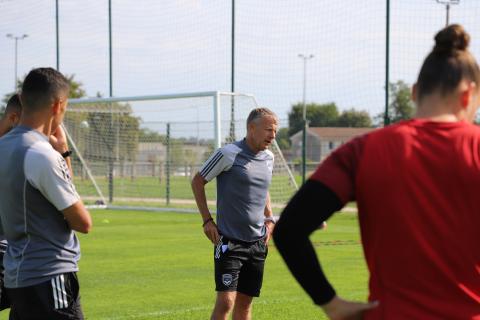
(417,187)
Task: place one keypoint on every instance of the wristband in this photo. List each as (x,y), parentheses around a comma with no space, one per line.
(67,153)
(207,221)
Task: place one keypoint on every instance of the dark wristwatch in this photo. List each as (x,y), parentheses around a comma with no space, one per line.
(67,153)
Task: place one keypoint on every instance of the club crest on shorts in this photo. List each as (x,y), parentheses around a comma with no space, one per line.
(227,279)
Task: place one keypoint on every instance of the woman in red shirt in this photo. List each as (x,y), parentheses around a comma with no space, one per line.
(416,185)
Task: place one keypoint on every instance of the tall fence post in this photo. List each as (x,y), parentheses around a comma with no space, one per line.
(57,34)
(218,124)
(386,117)
(168,158)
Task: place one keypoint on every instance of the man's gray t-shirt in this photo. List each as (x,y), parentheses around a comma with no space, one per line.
(243,179)
(35,187)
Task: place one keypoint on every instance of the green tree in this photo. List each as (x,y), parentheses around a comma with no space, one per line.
(76,87)
(401,106)
(355,119)
(318,115)
(7,96)
(283,139)
(148,135)
(76,90)
(104,130)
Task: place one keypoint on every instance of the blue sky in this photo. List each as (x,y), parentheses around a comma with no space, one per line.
(176,46)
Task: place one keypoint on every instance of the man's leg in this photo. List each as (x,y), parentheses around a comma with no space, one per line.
(223,305)
(228,258)
(250,281)
(243,307)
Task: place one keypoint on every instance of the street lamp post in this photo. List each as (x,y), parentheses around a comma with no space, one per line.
(447,4)
(305,58)
(16,38)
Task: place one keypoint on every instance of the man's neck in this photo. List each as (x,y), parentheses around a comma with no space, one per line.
(37,123)
(251,145)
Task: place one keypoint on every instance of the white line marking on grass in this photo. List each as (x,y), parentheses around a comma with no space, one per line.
(157,313)
(187,310)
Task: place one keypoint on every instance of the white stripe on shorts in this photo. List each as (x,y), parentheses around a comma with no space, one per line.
(54,289)
(59,292)
(64,292)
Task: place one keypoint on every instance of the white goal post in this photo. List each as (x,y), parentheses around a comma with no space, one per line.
(141,151)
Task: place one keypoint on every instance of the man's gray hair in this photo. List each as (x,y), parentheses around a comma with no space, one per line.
(258,113)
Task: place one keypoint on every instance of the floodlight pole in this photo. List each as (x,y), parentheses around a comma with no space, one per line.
(305,58)
(386,116)
(57,29)
(232,84)
(448,14)
(16,38)
(110,91)
(447,4)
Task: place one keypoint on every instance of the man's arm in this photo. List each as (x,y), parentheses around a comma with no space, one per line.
(209,226)
(78,217)
(269,219)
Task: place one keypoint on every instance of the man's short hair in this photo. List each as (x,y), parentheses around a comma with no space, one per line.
(13,104)
(258,113)
(42,87)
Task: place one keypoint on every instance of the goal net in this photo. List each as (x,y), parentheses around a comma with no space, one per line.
(143,151)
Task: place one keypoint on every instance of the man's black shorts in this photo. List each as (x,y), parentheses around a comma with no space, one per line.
(4,303)
(56,299)
(239,266)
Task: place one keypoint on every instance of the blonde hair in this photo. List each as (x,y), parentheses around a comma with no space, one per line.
(258,113)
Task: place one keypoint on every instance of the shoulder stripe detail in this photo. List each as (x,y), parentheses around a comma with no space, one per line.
(211,164)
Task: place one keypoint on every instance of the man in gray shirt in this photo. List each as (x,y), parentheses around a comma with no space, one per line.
(244,217)
(39,206)
(8,121)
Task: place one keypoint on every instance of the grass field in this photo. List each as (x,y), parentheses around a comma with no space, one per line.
(141,265)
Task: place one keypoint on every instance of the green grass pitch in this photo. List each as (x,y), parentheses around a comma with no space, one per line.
(144,265)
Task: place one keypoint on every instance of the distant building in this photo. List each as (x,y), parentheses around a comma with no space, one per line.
(322,141)
(185,158)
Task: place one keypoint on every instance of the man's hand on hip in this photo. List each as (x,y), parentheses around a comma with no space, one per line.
(270,226)
(211,231)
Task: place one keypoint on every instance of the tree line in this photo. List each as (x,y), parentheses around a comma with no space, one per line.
(318,115)
(401,107)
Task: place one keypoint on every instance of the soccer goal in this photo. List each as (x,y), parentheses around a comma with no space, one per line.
(143,151)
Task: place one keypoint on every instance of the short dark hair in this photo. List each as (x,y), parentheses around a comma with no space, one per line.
(258,113)
(41,87)
(448,64)
(13,104)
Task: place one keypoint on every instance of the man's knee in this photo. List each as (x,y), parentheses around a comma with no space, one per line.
(225,301)
(243,302)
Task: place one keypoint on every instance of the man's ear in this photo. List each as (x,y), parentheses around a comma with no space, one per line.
(251,126)
(56,106)
(13,118)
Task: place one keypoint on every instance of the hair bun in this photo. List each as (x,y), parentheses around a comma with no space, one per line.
(451,38)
